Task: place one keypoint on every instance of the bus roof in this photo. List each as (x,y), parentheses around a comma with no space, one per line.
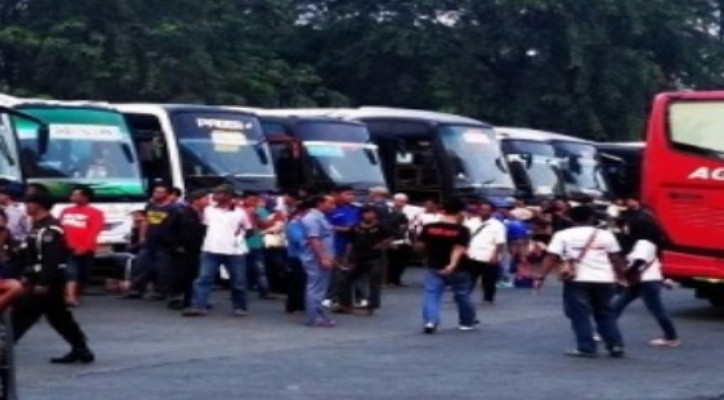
(535,135)
(171,108)
(367,113)
(15,102)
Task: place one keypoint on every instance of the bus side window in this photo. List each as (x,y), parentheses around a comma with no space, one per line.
(151,146)
(285,164)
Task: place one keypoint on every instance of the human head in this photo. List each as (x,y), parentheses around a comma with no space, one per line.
(324,203)
(81,195)
(38,205)
(561,204)
(482,208)
(223,194)
(176,194)
(400,200)
(582,215)
(8,194)
(138,217)
(378,193)
(345,195)
(161,193)
(35,188)
(453,207)
(251,198)
(645,229)
(430,206)
(368,214)
(199,199)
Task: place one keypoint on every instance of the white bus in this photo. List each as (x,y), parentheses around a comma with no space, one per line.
(194,146)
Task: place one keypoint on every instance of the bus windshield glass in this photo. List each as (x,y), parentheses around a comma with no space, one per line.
(221,144)
(341,152)
(697,126)
(87,146)
(542,169)
(476,156)
(583,168)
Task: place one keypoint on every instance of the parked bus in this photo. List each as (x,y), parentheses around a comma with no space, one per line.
(534,166)
(431,155)
(87,144)
(621,164)
(683,184)
(194,146)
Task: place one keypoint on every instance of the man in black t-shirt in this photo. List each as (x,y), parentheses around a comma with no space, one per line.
(444,244)
(367,242)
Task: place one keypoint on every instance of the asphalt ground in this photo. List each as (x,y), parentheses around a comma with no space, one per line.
(147,352)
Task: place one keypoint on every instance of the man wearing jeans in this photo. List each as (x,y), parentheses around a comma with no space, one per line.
(318,259)
(224,244)
(445,243)
(595,263)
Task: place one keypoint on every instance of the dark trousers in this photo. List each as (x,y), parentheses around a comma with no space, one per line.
(398,259)
(185,272)
(28,310)
(650,293)
(296,284)
(369,271)
(78,267)
(583,301)
(277,269)
(256,274)
(153,264)
(488,274)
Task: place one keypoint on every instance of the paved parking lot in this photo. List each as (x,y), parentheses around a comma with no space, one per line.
(146,352)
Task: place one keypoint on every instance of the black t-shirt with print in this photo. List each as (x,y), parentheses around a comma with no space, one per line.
(365,238)
(439,239)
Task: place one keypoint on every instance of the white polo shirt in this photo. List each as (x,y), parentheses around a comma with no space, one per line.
(486,236)
(225,230)
(595,266)
(645,250)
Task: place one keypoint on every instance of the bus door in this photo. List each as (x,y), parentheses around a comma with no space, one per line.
(152,148)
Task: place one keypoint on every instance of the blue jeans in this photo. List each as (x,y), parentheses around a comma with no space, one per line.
(583,301)
(650,293)
(317,284)
(256,272)
(434,286)
(209,268)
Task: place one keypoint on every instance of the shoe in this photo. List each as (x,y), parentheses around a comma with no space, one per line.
(597,338)
(326,303)
(192,312)
(84,356)
(429,328)
(362,304)
(665,343)
(580,354)
(616,352)
(466,328)
(240,312)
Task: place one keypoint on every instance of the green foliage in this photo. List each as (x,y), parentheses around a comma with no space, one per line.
(585,67)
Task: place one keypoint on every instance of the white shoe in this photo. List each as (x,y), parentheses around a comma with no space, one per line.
(466,328)
(597,338)
(326,303)
(665,343)
(363,303)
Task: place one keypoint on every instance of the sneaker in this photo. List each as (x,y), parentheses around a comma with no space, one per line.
(240,312)
(616,352)
(363,304)
(429,328)
(661,342)
(597,338)
(84,356)
(466,328)
(326,303)
(580,354)
(192,312)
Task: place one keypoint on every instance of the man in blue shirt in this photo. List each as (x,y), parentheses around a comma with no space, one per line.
(318,258)
(343,218)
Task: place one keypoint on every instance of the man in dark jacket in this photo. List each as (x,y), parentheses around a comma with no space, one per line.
(190,225)
(45,255)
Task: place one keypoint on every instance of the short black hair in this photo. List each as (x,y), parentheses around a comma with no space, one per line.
(250,193)
(316,200)
(177,191)
(41,199)
(365,209)
(581,214)
(164,186)
(40,188)
(86,191)
(482,201)
(453,205)
(198,194)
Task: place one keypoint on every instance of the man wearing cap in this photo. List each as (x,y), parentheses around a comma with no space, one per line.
(227,226)
(45,254)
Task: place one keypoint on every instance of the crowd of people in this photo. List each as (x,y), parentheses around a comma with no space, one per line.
(331,253)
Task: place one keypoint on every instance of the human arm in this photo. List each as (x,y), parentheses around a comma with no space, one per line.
(458,252)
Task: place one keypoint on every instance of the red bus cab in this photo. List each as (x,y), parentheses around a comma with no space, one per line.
(683,184)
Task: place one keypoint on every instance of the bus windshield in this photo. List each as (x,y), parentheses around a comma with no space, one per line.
(341,152)
(542,169)
(584,170)
(476,156)
(697,126)
(87,146)
(222,144)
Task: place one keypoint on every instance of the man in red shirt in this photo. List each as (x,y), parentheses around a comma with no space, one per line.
(82,225)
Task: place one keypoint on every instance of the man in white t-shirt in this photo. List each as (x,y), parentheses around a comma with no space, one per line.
(224,244)
(595,258)
(487,243)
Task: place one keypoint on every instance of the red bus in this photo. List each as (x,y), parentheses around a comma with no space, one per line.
(683,184)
